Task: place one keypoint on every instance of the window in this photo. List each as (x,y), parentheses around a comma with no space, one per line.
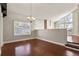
(22,28)
(65,22)
(68,23)
(60,24)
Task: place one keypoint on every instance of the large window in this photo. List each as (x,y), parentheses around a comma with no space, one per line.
(68,23)
(22,28)
(60,24)
(65,22)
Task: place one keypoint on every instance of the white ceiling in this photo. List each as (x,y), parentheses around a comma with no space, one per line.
(41,10)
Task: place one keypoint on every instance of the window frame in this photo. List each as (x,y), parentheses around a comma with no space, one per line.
(22,30)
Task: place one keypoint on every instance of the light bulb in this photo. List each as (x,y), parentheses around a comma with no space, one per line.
(31,18)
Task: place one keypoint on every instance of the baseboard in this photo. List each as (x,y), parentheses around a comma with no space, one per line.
(0,48)
(72,48)
(17,40)
(34,38)
(75,34)
(51,41)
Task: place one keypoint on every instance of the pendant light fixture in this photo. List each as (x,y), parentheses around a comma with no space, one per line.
(31,18)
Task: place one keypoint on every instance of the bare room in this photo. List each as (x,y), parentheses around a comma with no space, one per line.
(39,29)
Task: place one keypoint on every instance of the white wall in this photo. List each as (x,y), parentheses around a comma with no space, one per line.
(76,22)
(1,29)
(8,28)
(9,31)
(51,35)
(56,35)
(39,24)
(50,24)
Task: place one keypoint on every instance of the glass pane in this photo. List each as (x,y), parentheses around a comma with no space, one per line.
(22,28)
(65,22)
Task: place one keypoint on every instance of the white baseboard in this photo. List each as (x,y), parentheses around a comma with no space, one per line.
(0,48)
(17,40)
(72,48)
(75,34)
(34,38)
(52,41)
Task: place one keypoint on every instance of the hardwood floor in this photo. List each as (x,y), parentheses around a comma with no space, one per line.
(36,47)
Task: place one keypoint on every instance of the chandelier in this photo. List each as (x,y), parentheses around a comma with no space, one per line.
(31,18)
